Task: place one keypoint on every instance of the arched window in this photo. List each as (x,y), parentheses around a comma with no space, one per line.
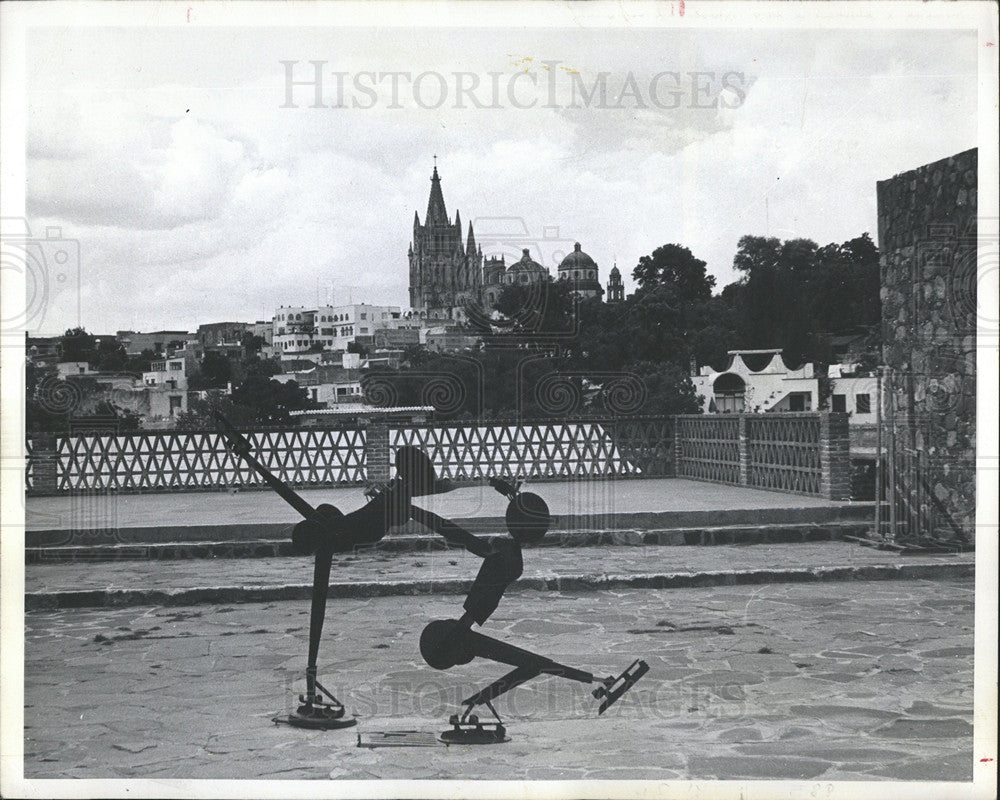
(729,390)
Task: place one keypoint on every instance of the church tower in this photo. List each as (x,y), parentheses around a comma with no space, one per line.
(445,273)
(616,289)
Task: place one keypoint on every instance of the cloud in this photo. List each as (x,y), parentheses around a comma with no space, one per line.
(195,196)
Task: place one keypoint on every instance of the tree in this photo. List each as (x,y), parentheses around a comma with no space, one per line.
(795,295)
(252,343)
(542,308)
(78,345)
(675,266)
(268,402)
(215,372)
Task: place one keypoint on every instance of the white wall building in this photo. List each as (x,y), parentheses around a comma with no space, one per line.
(167,385)
(298,329)
(740,389)
(68,369)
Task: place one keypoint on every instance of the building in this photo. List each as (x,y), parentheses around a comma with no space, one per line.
(220,334)
(135,343)
(581,272)
(69,369)
(446,273)
(298,330)
(353,413)
(616,289)
(167,385)
(264,329)
(526,271)
(774,387)
(449,276)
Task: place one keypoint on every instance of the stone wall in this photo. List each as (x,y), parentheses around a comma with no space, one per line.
(927,238)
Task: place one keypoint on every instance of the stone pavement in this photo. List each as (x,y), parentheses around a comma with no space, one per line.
(563,498)
(833,681)
(451,571)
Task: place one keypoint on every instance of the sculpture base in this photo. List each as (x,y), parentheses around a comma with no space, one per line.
(479,733)
(322,717)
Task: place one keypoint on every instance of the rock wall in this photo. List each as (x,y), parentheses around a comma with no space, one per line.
(927,238)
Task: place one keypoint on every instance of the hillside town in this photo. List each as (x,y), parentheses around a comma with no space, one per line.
(462,301)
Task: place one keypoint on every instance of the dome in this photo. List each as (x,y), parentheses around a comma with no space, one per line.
(577,260)
(614,272)
(526,264)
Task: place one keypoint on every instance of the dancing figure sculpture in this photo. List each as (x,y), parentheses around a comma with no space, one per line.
(446,643)
(326,530)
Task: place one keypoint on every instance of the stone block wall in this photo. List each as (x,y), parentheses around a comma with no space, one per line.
(927,239)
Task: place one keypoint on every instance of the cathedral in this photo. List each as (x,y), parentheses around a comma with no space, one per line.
(448,274)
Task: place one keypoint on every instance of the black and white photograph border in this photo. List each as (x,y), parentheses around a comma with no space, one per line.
(649,350)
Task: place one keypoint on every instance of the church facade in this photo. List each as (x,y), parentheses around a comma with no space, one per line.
(446,267)
(449,275)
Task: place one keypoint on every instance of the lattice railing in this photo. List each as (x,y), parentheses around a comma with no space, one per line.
(708,448)
(200,460)
(580,449)
(783,452)
(29,465)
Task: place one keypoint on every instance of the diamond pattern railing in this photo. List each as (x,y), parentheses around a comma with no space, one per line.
(29,464)
(708,448)
(783,452)
(200,460)
(577,449)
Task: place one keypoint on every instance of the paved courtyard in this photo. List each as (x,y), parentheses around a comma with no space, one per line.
(857,680)
(563,497)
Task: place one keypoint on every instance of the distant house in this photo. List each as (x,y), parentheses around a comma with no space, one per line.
(767,384)
(167,386)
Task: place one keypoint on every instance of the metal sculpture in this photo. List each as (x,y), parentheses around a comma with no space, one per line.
(326,530)
(446,643)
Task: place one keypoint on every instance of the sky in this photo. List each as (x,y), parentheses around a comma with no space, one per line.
(197,195)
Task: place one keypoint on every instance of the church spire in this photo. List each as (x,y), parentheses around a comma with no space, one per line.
(436,213)
(471,246)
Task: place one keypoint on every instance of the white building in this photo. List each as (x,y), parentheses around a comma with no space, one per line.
(298,330)
(775,387)
(167,385)
(68,369)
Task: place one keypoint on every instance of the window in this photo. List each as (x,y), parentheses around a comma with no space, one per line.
(176,365)
(82,370)
(364,315)
(729,391)
(800,401)
(863,403)
(838,402)
(175,404)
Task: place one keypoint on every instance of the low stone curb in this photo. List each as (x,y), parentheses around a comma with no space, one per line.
(857,513)
(35,601)
(269,548)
